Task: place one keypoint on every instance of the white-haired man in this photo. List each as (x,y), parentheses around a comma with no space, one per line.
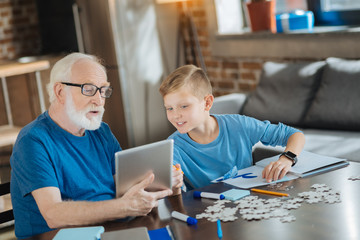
(63,162)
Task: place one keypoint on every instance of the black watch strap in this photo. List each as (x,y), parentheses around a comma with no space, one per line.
(291,156)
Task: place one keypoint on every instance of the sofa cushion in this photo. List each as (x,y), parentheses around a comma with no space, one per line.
(285,92)
(337,103)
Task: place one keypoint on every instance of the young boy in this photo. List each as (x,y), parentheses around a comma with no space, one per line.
(209,146)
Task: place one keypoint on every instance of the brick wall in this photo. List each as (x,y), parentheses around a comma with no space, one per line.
(19,33)
(227,75)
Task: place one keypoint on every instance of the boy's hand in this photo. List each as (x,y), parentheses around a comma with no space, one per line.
(177,179)
(276,170)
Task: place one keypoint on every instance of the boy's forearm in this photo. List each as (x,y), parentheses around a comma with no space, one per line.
(296,143)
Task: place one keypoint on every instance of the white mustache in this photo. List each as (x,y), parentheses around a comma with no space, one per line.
(95,108)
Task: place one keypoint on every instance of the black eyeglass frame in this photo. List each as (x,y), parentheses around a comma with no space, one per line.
(89,84)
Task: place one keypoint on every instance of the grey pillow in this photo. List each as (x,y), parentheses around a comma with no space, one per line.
(285,92)
(337,103)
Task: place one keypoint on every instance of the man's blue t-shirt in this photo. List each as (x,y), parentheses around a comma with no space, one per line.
(203,163)
(45,155)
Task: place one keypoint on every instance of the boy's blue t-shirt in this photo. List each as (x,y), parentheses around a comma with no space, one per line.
(203,163)
(45,155)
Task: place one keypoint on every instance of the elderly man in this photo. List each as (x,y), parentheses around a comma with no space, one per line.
(63,162)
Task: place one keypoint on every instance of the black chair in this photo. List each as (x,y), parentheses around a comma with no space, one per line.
(8,215)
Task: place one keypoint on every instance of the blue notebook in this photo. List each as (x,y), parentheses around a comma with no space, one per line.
(83,233)
(161,234)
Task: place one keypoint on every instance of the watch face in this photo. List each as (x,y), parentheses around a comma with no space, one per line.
(290,154)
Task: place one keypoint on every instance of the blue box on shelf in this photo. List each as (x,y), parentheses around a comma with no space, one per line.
(297,20)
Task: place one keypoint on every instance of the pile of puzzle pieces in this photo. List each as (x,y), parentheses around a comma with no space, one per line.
(255,208)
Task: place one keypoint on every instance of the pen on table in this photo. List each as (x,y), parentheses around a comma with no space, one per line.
(269,192)
(178,169)
(198,194)
(183,217)
(170,232)
(219,231)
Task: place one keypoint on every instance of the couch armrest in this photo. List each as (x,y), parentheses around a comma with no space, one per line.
(228,104)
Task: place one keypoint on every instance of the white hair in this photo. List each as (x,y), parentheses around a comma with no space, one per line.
(61,71)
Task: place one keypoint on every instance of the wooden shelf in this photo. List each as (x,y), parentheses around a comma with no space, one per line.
(8,135)
(17,68)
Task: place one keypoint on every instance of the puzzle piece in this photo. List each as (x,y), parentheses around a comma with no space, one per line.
(354,178)
(289,218)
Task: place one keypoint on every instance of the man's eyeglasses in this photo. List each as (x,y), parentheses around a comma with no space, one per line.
(88,89)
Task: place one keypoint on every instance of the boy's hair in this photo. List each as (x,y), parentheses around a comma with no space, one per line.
(187,75)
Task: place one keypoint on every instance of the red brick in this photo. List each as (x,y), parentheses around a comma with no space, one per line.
(212,64)
(212,74)
(248,76)
(218,93)
(226,84)
(5,5)
(202,33)
(8,31)
(5,14)
(195,3)
(206,53)
(198,13)
(204,44)
(233,65)
(10,49)
(5,40)
(252,65)
(19,20)
(230,75)
(247,86)
(201,23)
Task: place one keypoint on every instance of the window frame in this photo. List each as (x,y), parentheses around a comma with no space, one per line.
(333,18)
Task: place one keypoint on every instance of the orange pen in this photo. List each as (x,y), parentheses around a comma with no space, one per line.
(178,169)
(269,192)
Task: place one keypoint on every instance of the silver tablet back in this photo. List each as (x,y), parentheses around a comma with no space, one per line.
(131,166)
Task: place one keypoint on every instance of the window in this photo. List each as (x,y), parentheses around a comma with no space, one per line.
(335,12)
(232,16)
(229,16)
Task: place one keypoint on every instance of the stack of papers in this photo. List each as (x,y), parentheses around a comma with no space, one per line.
(308,164)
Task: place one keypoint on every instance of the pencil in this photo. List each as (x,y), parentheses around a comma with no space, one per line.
(269,192)
(178,169)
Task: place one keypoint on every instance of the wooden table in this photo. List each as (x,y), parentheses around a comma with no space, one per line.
(313,221)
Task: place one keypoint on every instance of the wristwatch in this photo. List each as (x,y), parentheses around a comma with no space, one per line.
(290,155)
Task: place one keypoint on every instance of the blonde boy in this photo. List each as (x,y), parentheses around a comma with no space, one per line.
(208,146)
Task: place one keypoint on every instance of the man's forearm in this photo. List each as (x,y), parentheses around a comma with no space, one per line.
(75,213)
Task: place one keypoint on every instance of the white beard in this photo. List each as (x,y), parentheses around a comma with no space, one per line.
(79,117)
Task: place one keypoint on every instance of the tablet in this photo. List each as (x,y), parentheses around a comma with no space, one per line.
(131,166)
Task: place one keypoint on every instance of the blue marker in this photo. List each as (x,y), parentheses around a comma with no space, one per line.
(198,194)
(219,231)
(183,217)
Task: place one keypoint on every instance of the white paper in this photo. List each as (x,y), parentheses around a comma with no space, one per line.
(252,177)
(307,162)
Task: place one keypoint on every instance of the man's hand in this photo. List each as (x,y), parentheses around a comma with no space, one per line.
(277,170)
(177,179)
(139,202)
